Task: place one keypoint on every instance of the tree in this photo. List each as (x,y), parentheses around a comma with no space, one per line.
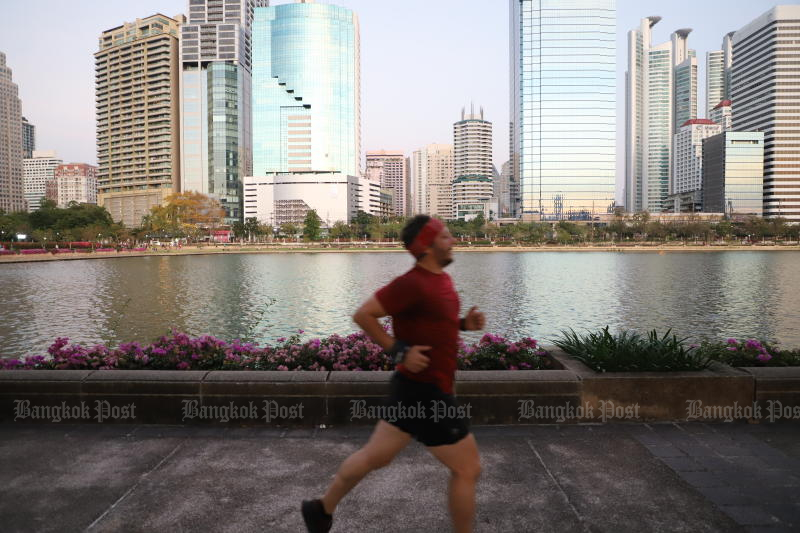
(251,228)
(238,229)
(340,230)
(185,213)
(288,229)
(311,226)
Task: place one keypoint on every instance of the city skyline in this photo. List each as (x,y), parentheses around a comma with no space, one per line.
(399,112)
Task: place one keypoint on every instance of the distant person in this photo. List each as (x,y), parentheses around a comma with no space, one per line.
(424,307)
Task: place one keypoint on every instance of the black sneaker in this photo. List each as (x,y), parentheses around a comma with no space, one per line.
(317,520)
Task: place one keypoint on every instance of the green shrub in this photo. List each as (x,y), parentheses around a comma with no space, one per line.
(630,352)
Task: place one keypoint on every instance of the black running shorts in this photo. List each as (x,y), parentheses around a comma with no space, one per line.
(422,410)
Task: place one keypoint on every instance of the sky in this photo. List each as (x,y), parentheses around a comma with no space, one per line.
(422,61)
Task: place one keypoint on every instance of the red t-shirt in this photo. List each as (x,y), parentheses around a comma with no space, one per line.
(424,309)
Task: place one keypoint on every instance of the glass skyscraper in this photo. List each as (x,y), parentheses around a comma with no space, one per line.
(306,89)
(563,106)
(215,100)
(733,173)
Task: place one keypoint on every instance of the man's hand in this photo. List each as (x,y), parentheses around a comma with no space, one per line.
(474,320)
(414,360)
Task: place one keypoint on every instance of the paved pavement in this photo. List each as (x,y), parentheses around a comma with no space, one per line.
(580,478)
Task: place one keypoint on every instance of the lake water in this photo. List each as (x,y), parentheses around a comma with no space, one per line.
(264,296)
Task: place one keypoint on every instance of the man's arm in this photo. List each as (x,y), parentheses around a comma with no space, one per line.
(367,318)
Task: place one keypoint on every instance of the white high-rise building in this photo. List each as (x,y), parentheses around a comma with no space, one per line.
(765,94)
(722,115)
(718,74)
(472,163)
(432,180)
(12,192)
(472,136)
(661,94)
(688,154)
(37,171)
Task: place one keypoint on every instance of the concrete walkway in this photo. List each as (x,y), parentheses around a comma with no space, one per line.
(588,478)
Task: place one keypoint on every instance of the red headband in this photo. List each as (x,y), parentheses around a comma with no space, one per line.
(425,237)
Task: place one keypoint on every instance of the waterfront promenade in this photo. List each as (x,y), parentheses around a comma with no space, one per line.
(388,247)
(572,478)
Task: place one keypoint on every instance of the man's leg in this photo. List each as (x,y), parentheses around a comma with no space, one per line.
(465,466)
(384,444)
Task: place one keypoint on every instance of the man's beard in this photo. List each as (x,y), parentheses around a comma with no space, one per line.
(446,261)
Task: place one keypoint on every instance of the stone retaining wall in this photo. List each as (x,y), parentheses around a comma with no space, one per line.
(571,393)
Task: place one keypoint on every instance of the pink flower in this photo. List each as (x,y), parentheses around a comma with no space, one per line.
(753,344)
(764,357)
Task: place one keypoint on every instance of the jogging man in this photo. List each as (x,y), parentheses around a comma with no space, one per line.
(424,308)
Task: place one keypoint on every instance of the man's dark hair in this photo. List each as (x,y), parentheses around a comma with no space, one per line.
(412,229)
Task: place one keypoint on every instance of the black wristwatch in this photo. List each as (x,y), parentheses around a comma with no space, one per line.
(398,351)
(462,324)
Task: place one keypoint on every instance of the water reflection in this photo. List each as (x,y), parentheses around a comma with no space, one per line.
(699,295)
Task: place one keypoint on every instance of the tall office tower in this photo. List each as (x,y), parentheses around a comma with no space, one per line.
(76,182)
(136,100)
(432,180)
(765,91)
(12,197)
(688,154)
(685,61)
(28,138)
(563,106)
(733,173)
(307,100)
(216,65)
(306,111)
(393,175)
(36,172)
(660,96)
(721,114)
(718,73)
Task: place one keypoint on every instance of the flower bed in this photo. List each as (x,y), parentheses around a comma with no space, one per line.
(627,351)
(33,251)
(105,250)
(749,353)
(63,251)
(7,252)
(355,352)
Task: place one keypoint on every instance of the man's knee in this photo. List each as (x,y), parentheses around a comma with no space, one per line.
(469,470)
